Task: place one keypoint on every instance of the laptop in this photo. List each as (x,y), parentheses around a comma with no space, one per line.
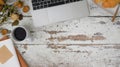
(45,12)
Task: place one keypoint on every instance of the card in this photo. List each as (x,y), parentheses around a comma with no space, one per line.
(5,54)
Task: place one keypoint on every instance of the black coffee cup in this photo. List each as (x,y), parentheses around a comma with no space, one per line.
(20,33)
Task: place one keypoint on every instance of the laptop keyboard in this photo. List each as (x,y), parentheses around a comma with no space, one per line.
(40,4)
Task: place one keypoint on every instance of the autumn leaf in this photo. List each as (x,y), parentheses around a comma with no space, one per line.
(16,22)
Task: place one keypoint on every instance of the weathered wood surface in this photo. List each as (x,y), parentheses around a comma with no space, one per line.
(86,42)
(71,55)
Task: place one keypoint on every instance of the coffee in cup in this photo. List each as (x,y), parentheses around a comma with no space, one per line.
(20,33)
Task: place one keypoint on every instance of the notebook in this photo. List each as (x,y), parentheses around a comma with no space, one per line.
(8,57)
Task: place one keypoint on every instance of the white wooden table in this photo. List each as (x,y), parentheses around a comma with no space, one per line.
(85,42)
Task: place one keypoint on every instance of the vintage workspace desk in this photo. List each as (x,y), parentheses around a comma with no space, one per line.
(85,42)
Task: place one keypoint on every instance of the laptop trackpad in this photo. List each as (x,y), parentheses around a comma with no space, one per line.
(40,17)
(68,11)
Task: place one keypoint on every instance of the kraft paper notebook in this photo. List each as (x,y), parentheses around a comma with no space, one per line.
(8,57)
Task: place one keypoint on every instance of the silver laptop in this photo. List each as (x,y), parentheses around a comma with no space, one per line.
(45,12)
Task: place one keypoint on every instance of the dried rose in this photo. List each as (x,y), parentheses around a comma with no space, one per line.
(2,2)
(14,16)
(26,9)
(4,31)
(19,4)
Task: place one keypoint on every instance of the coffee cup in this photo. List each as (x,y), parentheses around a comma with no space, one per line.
(20,33)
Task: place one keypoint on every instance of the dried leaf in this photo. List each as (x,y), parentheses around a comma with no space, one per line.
(16,22)
(20,16)
(3,19)
(1,7)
